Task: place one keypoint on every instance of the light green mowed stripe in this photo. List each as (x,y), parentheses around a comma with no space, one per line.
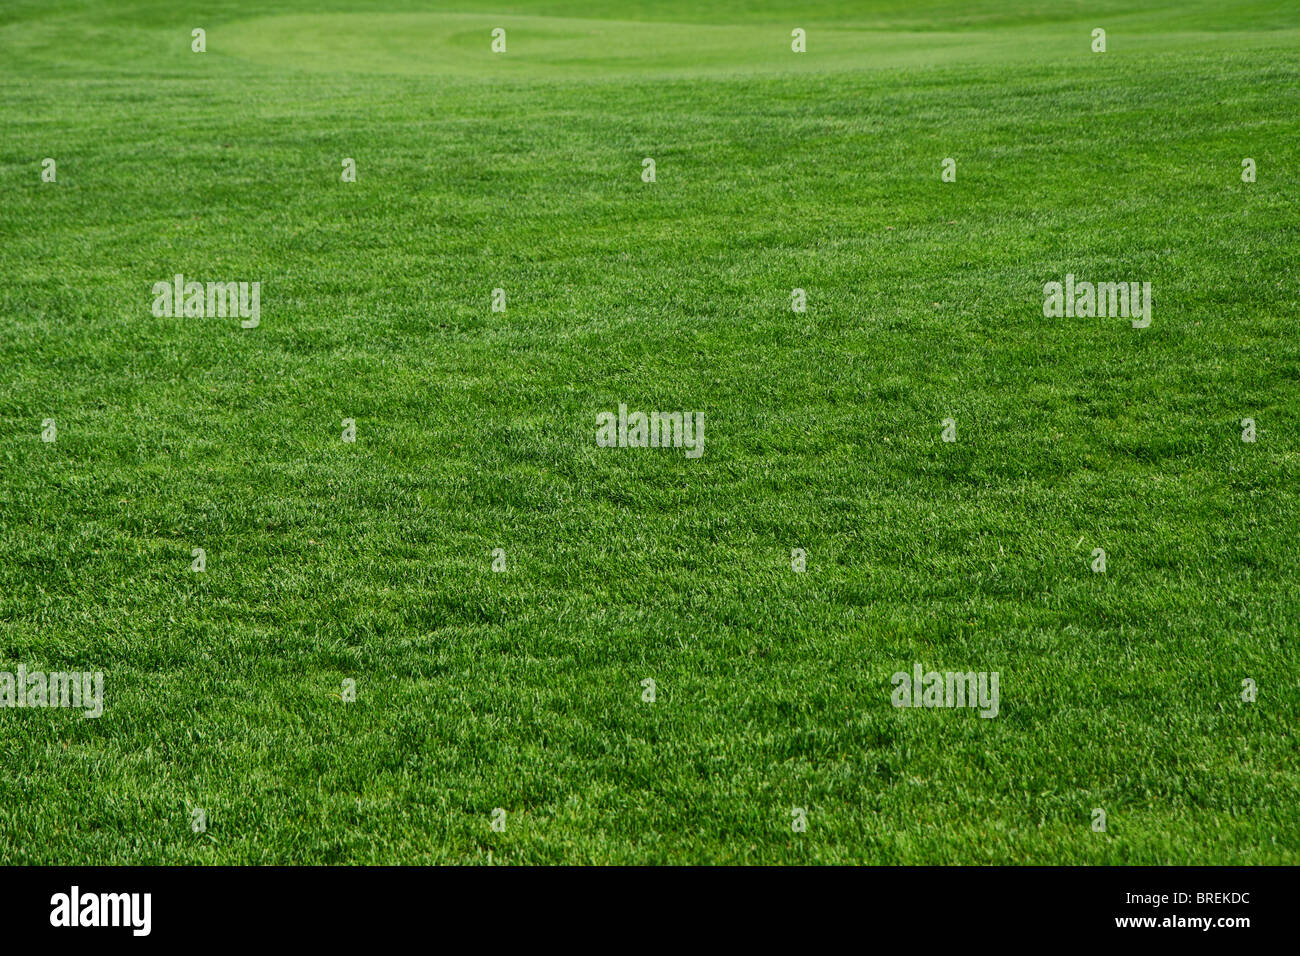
(551,47)
(452,44)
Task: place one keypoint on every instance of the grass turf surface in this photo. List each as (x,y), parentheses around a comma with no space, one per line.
(475,431)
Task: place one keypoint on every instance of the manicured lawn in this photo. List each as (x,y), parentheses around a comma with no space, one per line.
(372,561)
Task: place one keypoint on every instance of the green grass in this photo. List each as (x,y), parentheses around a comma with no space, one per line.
(475,431)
